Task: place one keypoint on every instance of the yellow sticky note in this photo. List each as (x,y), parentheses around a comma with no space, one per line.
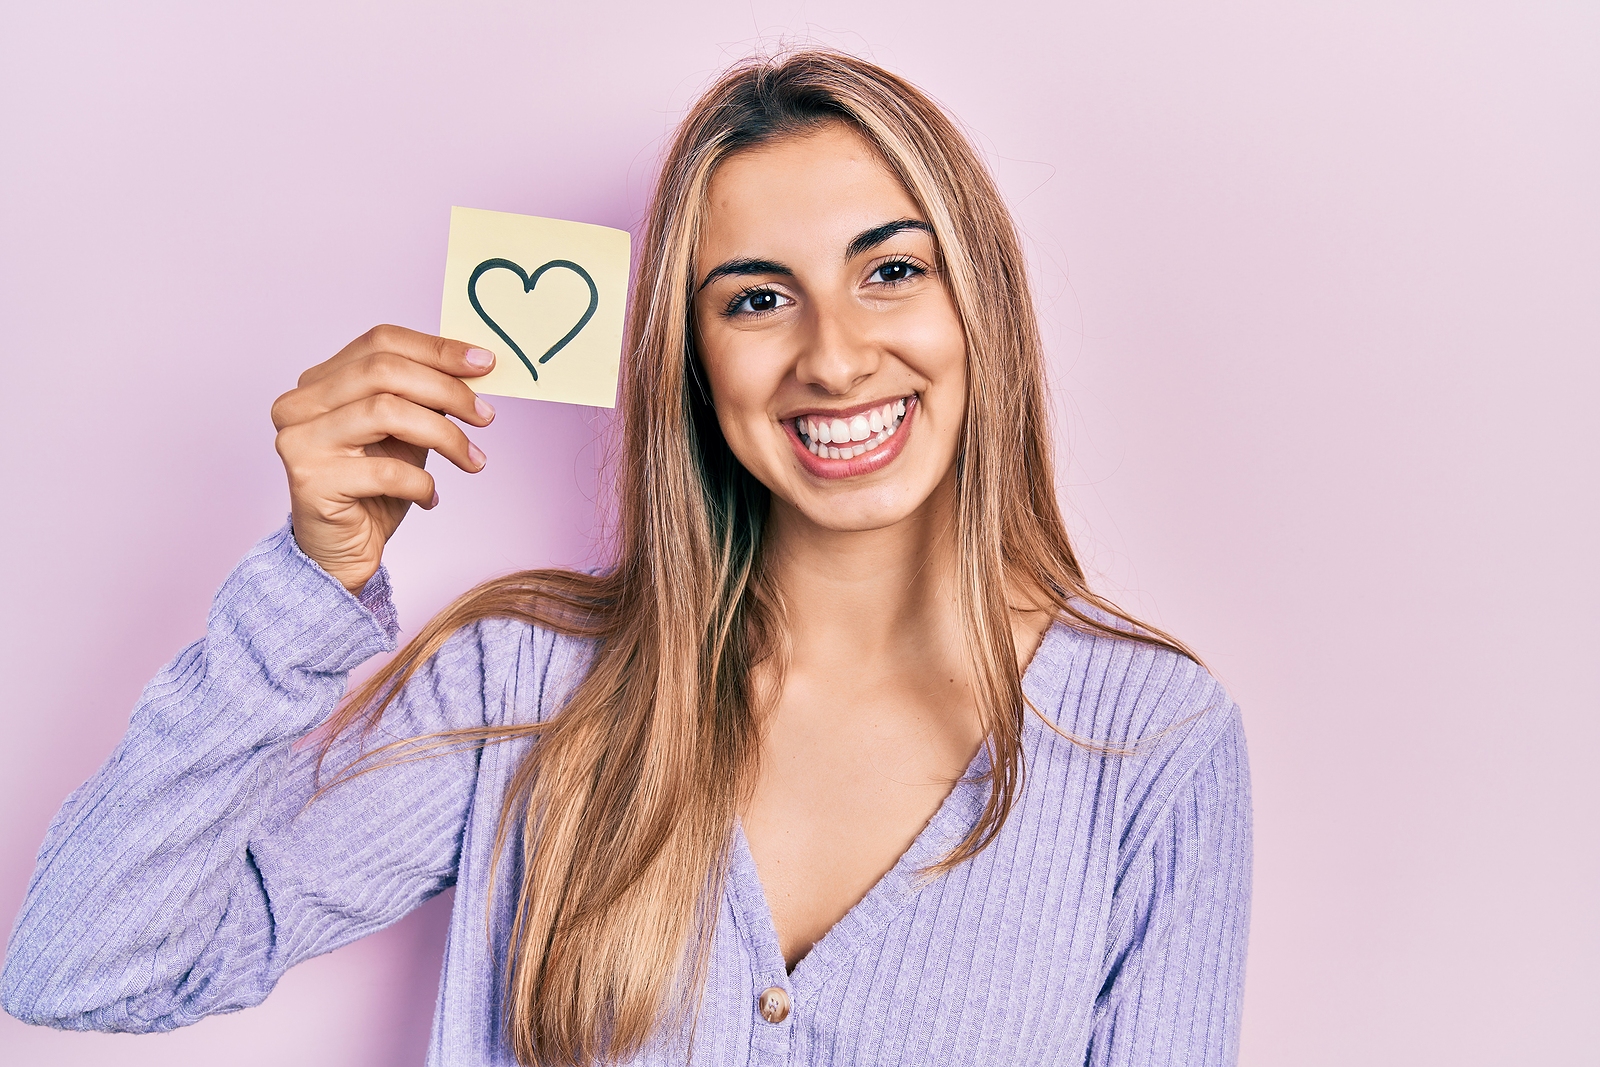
(545,296)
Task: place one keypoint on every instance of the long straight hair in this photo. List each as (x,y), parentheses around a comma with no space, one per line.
(625,801)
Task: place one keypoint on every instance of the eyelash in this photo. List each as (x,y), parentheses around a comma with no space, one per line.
(743,295)
(914,267)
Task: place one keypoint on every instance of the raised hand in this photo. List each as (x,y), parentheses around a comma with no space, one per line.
(355,433)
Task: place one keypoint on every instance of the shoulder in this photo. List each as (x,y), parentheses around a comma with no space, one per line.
(1121,692)
(527,671)
(1164,733)
(1156,722)
(1159,720)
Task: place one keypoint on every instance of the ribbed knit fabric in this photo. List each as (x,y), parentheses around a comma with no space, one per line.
(1105,925)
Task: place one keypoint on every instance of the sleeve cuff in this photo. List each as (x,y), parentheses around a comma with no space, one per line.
(377,596)
(295,616)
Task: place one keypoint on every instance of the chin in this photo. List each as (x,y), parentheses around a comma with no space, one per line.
(860,510)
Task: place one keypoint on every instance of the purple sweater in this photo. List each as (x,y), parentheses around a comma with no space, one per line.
(1105,925)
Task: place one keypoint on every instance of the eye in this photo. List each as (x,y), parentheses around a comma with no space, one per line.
(894,272)
(756,302)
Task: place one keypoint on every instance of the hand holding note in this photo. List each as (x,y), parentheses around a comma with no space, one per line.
(535,310)
(355,433)
(546,296)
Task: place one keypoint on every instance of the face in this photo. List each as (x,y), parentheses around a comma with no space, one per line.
(834,354)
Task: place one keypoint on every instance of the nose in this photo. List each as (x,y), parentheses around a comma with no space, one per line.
(838,353)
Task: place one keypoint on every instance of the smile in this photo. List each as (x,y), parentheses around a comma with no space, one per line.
(847,444)
(838,438)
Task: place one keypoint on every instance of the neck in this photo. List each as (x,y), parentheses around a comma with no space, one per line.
(858,595)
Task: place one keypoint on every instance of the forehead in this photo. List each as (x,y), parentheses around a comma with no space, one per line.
(808,191)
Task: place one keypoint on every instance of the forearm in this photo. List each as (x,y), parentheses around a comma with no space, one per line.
(146,866)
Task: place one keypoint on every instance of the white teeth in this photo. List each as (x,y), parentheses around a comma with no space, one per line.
(859,434)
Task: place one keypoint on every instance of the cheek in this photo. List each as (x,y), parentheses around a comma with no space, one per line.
(742,379)
(951,346)
(934,345)
(940,356)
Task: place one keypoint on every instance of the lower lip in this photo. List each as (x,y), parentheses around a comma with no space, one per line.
(866,463)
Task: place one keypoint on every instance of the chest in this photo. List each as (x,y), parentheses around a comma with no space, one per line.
(844,788)
(998,961)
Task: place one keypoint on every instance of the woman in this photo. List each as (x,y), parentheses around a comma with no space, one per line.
(839,762)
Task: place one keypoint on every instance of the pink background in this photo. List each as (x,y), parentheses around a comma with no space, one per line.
(1320,286)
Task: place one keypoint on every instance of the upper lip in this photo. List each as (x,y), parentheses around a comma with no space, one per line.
(844,413)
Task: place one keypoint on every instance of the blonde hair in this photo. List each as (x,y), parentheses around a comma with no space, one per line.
(625,803)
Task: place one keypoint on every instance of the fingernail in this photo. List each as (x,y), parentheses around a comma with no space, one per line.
(435,501)
(484,409)
(475,454)
(480,357)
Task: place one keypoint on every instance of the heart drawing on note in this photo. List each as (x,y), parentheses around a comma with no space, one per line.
(528,283)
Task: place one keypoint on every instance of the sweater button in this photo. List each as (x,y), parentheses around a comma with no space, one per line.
(774,1005)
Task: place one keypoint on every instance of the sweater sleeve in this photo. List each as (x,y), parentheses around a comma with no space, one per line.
(1176,974)
(195,867)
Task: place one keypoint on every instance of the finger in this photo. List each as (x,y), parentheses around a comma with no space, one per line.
(350,428)
(440,353)
(382,372)
(360,478)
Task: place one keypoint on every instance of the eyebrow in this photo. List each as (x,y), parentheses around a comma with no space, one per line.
(746,266)
(869,239)
(862,242)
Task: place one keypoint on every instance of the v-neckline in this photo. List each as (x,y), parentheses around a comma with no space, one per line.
(866,919)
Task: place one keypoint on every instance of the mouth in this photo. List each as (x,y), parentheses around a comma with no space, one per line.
(847,444)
